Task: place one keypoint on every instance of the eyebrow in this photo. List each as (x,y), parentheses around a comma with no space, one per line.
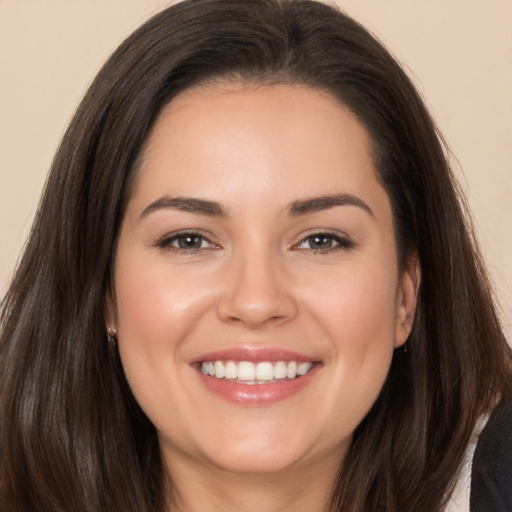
(186,204)
(316,204)
(215,209)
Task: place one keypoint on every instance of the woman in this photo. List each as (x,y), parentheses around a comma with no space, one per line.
(249,285)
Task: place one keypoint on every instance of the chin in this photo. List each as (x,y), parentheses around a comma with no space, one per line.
(250,462)
(272,449)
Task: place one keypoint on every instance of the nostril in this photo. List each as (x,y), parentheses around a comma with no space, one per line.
(256,294)
(254,316)
(255,321)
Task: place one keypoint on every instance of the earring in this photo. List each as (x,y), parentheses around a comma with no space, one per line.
(112,336)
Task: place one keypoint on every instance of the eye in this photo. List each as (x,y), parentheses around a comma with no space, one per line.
(324,242)
(186,242)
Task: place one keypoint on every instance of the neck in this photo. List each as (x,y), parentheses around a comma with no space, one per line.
(206,488)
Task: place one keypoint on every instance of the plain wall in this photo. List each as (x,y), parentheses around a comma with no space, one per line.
(459,52)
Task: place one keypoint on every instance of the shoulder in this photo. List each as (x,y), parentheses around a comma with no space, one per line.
(491,474)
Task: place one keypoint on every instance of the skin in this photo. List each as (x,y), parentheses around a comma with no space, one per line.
(257,280)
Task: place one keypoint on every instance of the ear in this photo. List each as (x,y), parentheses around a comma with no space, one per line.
(406,299)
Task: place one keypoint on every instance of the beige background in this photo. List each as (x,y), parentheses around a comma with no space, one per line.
(458,51)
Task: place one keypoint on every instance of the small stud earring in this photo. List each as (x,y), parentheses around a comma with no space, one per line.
(112,336)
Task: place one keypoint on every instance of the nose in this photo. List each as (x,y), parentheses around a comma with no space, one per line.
(257,293)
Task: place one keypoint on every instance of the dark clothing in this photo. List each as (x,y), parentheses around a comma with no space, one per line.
(491,474)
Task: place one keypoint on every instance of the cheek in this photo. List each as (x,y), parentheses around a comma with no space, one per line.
(357,306)
(156,301)
(158,308)
(356,313)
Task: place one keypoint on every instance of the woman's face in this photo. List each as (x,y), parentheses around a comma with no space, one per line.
(257,293)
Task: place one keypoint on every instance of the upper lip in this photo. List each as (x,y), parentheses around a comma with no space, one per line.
(253,354)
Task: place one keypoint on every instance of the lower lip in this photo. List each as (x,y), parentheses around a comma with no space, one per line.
(257,394)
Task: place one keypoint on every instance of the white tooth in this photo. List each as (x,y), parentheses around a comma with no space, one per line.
(303,368)
(264,371)
(292,370)
(204,368)
(231,370)
(246,370)
(219,370)
(280,370)
(211,369)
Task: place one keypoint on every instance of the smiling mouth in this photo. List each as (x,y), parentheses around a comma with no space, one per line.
(248,372)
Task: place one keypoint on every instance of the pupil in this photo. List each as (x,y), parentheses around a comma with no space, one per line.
(320,242)
(189,242)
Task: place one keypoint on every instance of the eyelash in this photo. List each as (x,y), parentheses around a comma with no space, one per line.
(166,242)
(342,243)
(337,243)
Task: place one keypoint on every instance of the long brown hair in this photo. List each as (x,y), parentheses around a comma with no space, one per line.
(72,436)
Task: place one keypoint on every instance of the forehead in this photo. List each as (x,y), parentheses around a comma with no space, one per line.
(228,140)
